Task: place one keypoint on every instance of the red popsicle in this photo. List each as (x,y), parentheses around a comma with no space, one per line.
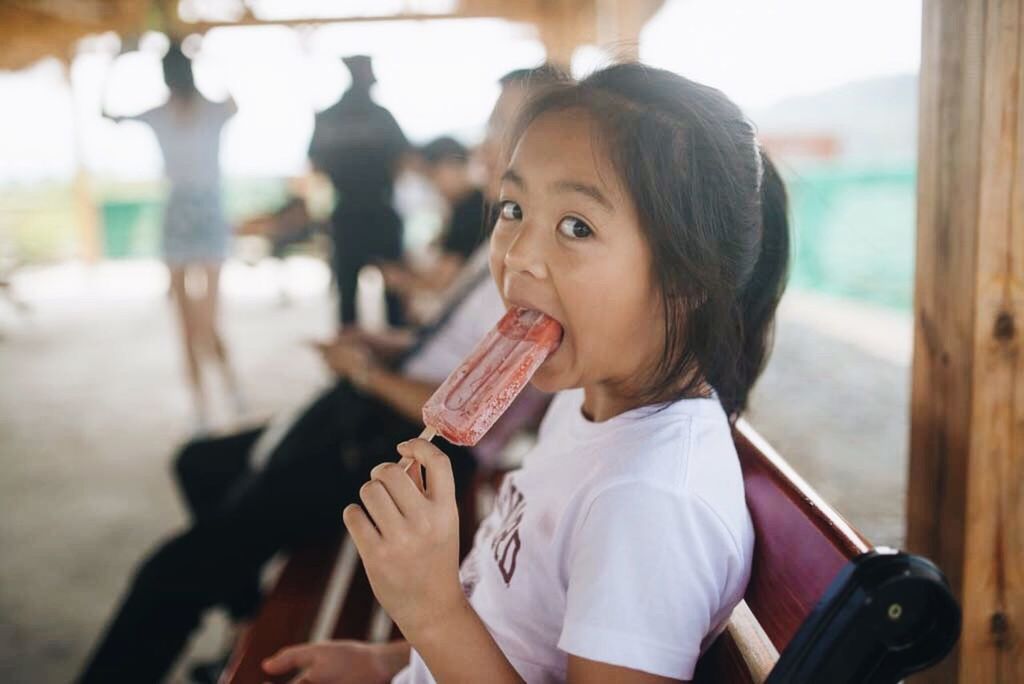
(476,393)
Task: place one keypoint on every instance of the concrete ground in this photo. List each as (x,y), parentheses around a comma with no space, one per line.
(92,406)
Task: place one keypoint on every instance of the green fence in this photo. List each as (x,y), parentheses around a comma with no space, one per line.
(853,228)
(854,233)
(132,220)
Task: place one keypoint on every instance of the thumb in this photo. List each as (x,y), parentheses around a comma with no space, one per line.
(440,481)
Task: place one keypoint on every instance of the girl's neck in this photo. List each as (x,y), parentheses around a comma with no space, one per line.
(601,403)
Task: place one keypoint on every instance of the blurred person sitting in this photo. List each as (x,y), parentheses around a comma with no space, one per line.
(247,502)
(287,229)
(358,144)
(284,227)
(195,231)
(446,165)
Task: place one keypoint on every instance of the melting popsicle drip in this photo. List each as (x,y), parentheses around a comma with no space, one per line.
(476,393)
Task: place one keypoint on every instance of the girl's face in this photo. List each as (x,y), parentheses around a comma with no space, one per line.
(568,243)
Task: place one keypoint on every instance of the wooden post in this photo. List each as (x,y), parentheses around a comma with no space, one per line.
(619,22)
(562,29)
(965,504)
(85,209)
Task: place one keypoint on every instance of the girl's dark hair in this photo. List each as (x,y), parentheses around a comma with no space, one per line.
(178,72)
(540,75)
(714,211)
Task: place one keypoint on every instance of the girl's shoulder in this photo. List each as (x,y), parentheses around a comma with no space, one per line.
(675,467)
(684,448)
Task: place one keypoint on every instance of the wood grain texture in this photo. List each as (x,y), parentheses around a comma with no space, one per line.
(964,508)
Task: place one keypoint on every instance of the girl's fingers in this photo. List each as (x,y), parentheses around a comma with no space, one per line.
(359,527)
(440,481)
(400,486)
(414,471)
(288,659)
(377,502)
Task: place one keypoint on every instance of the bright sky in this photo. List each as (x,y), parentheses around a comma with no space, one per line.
(759,52)
(436,77)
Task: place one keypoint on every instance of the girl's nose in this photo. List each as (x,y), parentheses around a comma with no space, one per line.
(526,253)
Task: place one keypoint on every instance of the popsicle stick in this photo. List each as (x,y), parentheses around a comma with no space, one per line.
(428,434)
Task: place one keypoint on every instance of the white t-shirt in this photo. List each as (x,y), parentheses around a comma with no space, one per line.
(478,312)
(626,542)
(190,140)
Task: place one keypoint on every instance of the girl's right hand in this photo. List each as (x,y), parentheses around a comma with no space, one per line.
(340,662)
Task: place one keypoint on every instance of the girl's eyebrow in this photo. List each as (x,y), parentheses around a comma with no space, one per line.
(591,191)
(512,177)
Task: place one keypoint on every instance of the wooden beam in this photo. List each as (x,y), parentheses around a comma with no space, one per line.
(965,506)
(204,26)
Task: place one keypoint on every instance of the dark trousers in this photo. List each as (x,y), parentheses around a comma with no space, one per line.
(241,518)
(364,235)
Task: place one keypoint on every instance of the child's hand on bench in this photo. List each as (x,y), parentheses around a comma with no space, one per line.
(337,662)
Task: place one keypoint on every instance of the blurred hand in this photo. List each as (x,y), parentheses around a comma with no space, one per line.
(408,539)
(338,662)
(351,333)
(350,359)
(397,277)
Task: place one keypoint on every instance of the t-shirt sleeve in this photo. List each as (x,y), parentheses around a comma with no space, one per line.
(647,571)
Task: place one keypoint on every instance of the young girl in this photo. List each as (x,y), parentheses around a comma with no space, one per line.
(639,211)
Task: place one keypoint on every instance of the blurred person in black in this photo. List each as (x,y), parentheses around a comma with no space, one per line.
(248,500)
(359,146)
(445,162)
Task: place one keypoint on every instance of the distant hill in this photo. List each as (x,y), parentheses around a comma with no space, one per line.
(875,121)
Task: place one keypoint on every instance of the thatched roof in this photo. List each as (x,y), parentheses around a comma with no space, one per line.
(33,29)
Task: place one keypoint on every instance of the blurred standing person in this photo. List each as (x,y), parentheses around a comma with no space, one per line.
(358,144)
(195,232)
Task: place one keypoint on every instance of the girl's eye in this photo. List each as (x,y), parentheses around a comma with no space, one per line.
(510,211)
(572,227)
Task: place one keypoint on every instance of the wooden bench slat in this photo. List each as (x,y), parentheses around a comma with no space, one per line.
(801,543)
(287,612)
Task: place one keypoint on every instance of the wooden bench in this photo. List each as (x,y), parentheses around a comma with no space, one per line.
(802,546)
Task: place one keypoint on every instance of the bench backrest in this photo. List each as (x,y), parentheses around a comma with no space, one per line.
(801,544)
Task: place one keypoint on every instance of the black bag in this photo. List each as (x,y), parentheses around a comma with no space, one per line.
(886,615)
